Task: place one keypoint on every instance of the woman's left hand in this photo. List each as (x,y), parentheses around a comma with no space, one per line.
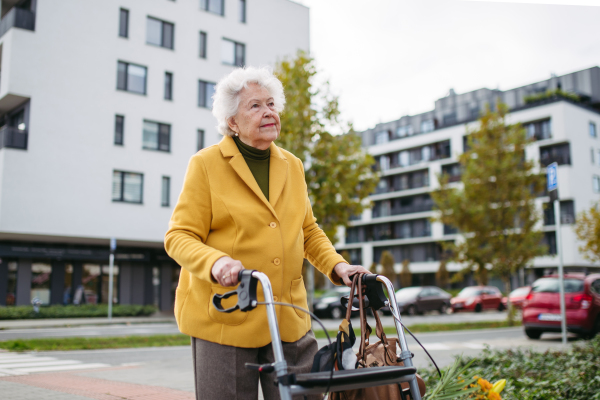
(345,271)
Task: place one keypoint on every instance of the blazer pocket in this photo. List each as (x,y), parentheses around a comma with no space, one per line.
(180,298)
(298,295)
(233,318)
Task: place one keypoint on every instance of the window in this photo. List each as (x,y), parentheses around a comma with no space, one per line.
(156,136)
(131,77)
(213,6)
(384,163)
(596,183)
(593,132)
(127,187)
(539,130)
(159,33)
(382,137)
(119,128)
(168,86)
(233,53)
(202,44)
(205,93)
(559,153)
(550,242)
(402,131)
(567,213)
(450,119)
(200,139)
(166,190)
(427,126)
(242,4)
(123,23)
(452,171)
(40,282)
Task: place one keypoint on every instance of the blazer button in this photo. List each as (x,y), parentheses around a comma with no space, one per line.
(277,261)
(275,298)
(273,225)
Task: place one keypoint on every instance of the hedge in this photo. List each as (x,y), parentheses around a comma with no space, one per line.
(81,311)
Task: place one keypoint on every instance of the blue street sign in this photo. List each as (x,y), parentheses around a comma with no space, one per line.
(113,244)
(552,176)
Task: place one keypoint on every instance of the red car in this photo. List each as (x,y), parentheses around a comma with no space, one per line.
(541,311)
(517,297)
(477,298)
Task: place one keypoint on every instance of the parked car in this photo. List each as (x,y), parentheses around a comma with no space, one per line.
(541,311)
(517,297)
(329,305)
(419,299)
(477,298)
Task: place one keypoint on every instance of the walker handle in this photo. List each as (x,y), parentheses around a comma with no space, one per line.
(246,294)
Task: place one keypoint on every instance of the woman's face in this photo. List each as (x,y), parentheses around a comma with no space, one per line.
(256,122)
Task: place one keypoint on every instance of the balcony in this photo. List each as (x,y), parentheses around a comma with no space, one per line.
(13,138)
(17,18)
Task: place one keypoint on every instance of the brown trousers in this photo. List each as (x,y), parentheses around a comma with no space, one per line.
(220,371)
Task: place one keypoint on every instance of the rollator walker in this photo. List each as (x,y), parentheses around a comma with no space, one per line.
(325,381)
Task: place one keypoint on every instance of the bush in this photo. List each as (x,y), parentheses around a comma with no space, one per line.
(572,374)
(81,311)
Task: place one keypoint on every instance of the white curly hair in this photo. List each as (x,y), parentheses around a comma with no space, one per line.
(226,98)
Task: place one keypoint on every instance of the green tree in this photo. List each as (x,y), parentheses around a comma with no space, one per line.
(387,263)
(339,172)
(442,276)
(587,230)
(405,274)
(494,204)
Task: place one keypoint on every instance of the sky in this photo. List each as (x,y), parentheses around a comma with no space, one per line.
(389,58)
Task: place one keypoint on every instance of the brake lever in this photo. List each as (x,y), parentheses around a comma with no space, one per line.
(246,293)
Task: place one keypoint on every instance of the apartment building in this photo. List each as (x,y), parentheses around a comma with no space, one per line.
(412,151)
(102,104)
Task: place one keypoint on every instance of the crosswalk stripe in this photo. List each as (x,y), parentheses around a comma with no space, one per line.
(61,368)
(40,364)
(24,359)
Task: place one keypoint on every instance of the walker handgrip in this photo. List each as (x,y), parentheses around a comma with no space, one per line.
(246,293)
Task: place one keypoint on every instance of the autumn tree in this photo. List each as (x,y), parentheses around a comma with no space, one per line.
(405,274)
(442,276)
(493,205)
(387,263)
(337,169)
(587,230)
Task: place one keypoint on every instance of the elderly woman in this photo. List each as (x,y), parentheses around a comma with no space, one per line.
(244,204)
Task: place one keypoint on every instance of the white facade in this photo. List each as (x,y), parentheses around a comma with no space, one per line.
(61,185)
(59,65)
(569,122)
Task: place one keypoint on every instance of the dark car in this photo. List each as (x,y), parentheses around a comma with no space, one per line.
(329,304)
(541,311)
(517,297)
(419,299)
(478,298)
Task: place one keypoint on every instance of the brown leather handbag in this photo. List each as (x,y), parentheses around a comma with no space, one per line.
(380,354)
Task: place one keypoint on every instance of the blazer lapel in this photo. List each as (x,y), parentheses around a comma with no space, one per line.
(239,165)
(278,171)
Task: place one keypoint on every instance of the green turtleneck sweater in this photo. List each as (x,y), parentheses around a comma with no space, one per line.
(258,162)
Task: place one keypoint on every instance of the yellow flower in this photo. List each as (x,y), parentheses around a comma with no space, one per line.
(498,386)
(485,385)
(494,396)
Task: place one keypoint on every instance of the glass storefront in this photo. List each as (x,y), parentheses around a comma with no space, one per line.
(105,281)
(91,284)
(11,292)
(40,282)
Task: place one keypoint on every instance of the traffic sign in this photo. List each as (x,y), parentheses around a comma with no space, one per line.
(552,176)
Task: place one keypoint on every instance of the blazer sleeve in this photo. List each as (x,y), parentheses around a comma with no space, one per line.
(317,246)
(190,224)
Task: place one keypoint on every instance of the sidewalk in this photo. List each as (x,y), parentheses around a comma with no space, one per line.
(67,322)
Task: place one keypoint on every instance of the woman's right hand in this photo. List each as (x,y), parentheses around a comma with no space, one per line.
(225,271)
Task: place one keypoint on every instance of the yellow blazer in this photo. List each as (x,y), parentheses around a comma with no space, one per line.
(222,212)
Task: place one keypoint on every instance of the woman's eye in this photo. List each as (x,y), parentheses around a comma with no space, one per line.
(254,105)
(271,104)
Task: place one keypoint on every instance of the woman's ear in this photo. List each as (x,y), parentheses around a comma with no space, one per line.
(233,125)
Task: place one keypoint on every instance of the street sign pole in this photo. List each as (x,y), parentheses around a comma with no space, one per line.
(113,247)
(552,176)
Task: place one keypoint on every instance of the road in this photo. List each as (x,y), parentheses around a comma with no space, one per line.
(165,328)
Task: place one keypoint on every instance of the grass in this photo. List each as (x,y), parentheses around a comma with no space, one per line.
(421,328)
(76,343)
(95,343)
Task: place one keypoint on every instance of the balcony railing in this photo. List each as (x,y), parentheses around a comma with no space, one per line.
(18,18)
(13,138)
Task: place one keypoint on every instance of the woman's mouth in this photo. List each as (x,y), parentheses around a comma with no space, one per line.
(267,125)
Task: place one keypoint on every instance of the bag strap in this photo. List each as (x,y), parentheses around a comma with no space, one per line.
(365,329)
(351,299)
